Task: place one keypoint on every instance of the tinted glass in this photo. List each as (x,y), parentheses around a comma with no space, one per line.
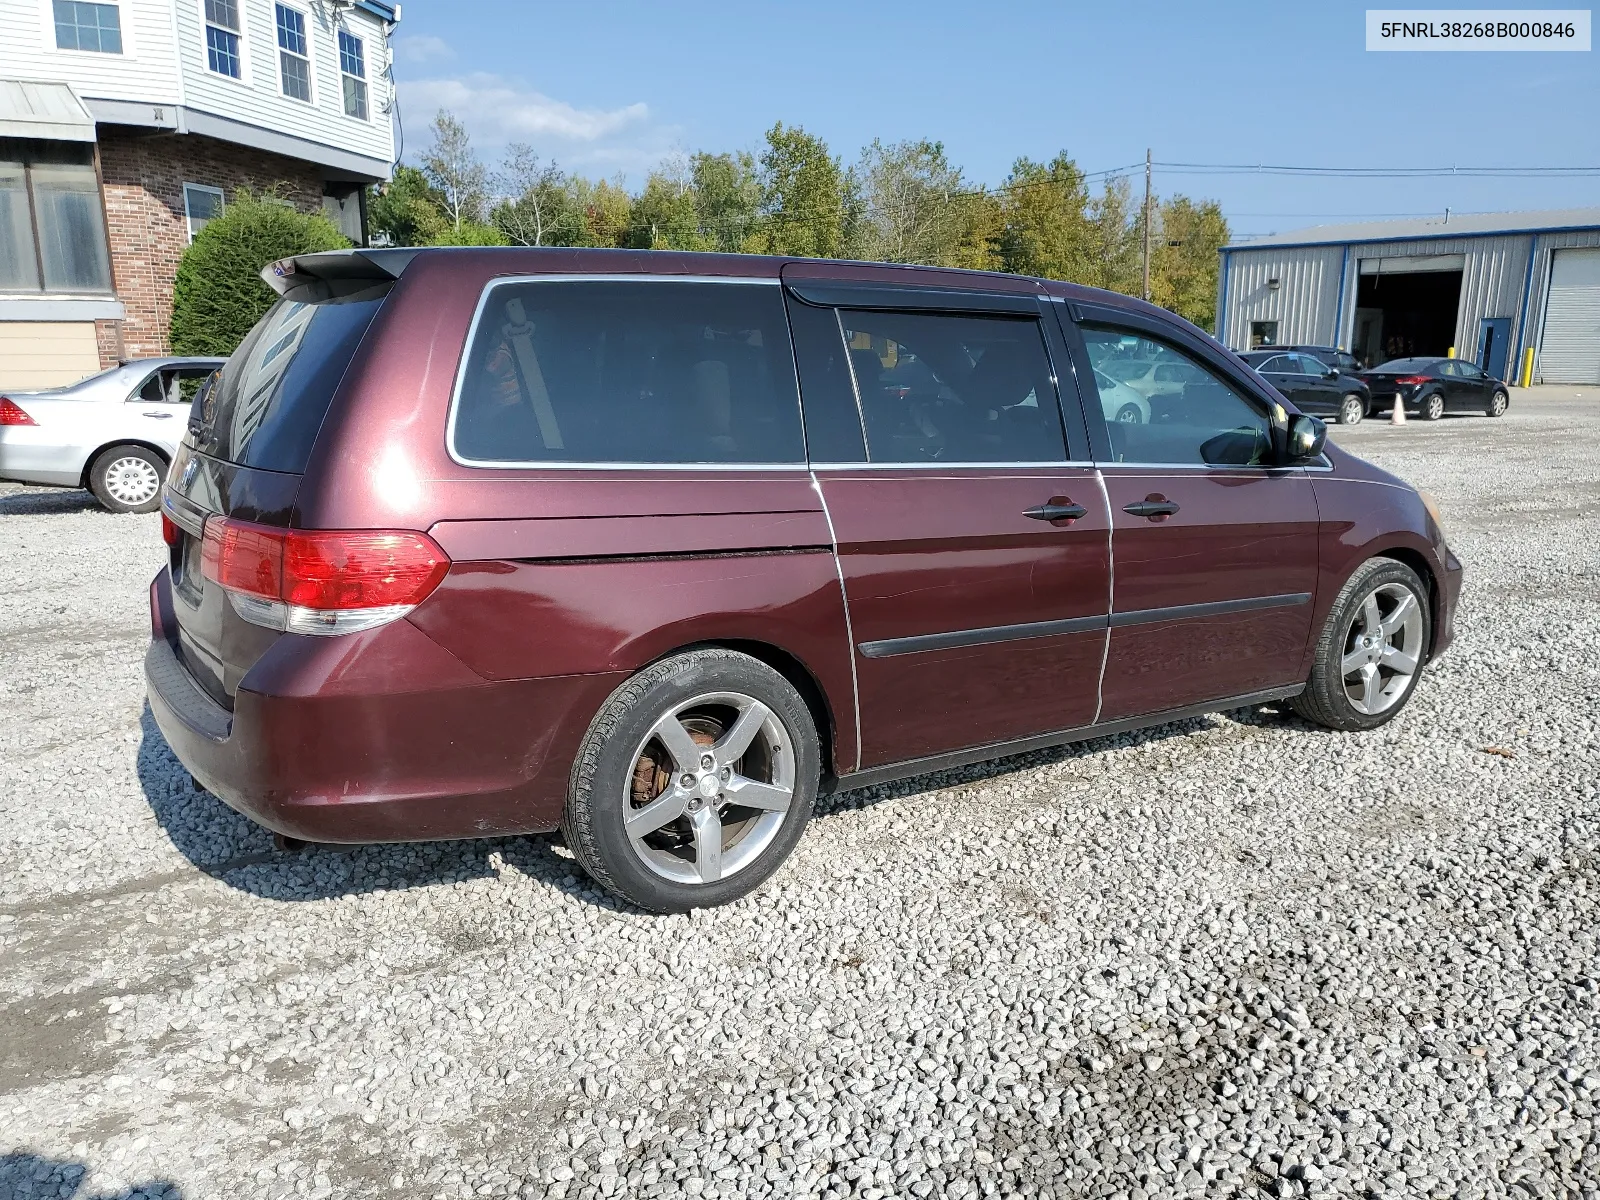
(1408,366)
(1278,364)
(1198,420)
(72,237)
(1468,370)
(1449,368)
(937,387)
(267,404)
(1312,366)
(635,372)
(827,396)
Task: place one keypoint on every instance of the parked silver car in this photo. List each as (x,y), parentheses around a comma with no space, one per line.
(113,433)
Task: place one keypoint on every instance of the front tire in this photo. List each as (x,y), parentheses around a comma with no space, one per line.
(1371,651)
(1433,407)
(694,782)
(1130,414)
(1498,403)
(127,479)
(1351,410)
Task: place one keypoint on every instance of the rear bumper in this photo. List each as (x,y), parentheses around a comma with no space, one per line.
(374,737)
(30,454)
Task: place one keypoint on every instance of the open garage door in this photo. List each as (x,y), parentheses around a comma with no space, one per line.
(1569,350)
(1406,306)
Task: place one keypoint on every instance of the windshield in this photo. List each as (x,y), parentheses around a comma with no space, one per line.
(266,405)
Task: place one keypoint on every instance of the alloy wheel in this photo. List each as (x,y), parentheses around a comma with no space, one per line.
(1435,407)
(1497,405)
(710,786)
(132,480)
(1350,410)
(1383,649)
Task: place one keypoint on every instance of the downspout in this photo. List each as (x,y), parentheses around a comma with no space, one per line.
(1222,298)
(1527,300)
(1338,312)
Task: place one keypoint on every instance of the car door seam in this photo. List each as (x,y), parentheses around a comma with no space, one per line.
(1111,592)
(844,600)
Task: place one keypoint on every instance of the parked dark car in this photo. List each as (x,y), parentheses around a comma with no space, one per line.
(1432,387)
(1313,385)
(1340,360)
(653,547)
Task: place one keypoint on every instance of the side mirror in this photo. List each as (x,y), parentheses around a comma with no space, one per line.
(1332,373)
(1307,436)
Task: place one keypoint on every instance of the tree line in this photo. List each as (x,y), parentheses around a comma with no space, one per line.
(902,203)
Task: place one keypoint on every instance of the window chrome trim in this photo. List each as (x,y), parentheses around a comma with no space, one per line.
(941,466)
(799,464)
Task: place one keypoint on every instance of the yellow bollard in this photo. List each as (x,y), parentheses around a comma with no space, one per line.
(1451,353)
(1526,379)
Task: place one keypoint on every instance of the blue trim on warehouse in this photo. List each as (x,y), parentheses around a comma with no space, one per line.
(1338,311)
(1527,300)
(1413,237)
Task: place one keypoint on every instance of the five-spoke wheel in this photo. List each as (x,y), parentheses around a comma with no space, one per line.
(1371,650)
(694,782)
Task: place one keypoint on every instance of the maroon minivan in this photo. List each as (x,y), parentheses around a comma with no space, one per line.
(653,547)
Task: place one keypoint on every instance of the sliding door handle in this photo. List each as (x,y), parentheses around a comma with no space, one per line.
(1155,507)
(1059,509)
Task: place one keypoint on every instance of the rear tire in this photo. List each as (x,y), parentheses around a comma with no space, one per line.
(1498,403)
(1351,410)
(1432,407)
(694,782)
(1372,649)
(127,479)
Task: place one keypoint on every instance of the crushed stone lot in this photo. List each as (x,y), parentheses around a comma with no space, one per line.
(1232,956)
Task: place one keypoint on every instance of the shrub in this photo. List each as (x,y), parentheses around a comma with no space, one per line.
(219,294)
(470,233)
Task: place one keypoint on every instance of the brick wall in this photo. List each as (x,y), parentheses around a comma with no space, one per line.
(143,177)
(108,340)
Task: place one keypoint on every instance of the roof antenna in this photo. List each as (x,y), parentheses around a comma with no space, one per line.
(1447,216)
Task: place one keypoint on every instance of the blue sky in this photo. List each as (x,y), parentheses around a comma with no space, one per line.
(612,86)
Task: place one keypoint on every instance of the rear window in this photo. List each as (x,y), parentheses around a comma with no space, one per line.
(1405,365)
(629,371)
(265,407)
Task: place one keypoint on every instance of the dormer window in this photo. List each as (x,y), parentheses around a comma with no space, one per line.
(294,61)
(353,73)
(222,38)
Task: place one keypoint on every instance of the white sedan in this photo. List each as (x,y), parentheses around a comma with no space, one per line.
(1120,402)
(113,433)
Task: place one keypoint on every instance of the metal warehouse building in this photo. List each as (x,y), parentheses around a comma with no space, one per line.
(1490,285)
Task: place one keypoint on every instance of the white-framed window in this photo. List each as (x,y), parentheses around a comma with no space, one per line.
(294,54)
(85,26)
(353,74)
(224,51)
(200,204)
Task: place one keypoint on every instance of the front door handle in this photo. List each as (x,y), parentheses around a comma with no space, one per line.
(162,415)
(1155,507)
(1059,509)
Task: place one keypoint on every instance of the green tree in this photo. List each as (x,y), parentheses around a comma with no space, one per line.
(470,233)
(912,211)
(804,196)
(1185,259)
(453,169)
(538,208)
(1111,255)
(727,197)
(1044,209)
(666,216)
(407,211)
(219,294)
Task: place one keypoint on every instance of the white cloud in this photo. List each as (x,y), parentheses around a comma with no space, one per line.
(422,48)
(496,111)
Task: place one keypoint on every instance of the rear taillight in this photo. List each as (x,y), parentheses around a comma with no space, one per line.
(171,532)
(320,581)
(10,414)
(1411,380)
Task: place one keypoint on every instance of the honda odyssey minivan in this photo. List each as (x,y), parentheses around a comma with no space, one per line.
(654,547)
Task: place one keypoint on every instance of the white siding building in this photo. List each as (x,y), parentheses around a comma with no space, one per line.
(126,124)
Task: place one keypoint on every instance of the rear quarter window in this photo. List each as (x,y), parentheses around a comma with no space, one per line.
(670,372)
(266,406)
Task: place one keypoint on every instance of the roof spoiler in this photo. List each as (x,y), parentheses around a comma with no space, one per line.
(332,273)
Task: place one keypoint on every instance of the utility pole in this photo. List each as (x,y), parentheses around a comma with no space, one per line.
(1147,223)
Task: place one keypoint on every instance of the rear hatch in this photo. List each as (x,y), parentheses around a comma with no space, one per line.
(250,435)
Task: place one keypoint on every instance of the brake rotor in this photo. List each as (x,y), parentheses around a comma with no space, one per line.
(653,772)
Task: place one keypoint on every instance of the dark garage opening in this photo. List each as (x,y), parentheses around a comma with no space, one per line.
(1406,313)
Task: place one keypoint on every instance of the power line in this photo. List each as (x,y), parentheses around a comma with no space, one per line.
(1178,168)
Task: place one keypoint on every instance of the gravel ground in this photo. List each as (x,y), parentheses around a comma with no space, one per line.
(1233,955)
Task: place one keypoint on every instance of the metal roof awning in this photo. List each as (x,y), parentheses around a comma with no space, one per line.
(31,108)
